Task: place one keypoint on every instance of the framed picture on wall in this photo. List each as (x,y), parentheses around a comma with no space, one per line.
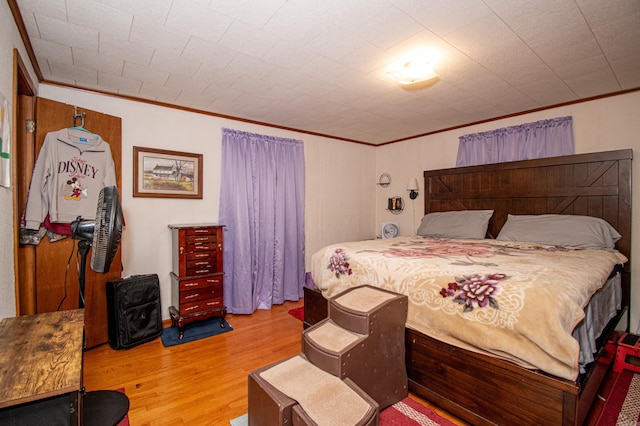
(166,174)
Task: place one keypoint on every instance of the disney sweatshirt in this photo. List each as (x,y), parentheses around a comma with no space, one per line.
(72,167)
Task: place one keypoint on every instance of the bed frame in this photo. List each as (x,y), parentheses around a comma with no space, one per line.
(483,390)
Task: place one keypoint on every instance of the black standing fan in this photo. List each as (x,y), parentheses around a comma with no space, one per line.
(102,407)
(104,234)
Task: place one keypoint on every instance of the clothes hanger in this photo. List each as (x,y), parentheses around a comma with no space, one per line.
(75,120)
(80,127)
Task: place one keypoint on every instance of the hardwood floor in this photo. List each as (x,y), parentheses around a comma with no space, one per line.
(203,382)
(197,383)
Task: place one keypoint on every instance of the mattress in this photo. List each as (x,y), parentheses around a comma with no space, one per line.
(515,301)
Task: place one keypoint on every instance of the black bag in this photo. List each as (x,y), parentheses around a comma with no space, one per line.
(134,312)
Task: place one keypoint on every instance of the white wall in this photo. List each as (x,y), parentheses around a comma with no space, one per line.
(9,39)
(340,203)
(7,36)
(601,125)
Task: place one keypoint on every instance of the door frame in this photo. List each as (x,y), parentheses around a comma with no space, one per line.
(23,99)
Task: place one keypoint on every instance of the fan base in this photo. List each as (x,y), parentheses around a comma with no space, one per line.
(104,408)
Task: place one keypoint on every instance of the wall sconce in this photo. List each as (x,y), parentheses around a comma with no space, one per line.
(412,187)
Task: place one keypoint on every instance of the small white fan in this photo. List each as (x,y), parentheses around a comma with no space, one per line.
(390,229)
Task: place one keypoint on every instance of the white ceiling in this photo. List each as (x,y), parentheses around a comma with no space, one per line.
(319,65)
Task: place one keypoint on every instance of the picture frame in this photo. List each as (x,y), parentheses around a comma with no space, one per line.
(162,173)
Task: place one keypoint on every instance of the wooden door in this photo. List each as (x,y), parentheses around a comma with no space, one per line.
(56,266)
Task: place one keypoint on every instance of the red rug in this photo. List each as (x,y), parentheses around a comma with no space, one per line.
(297,313)
(623,403)
(404,413)
(410,413)
(125,420)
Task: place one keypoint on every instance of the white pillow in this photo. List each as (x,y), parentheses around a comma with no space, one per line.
(560,230)
(465,224)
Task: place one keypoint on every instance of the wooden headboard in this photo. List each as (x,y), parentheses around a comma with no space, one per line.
(597,184)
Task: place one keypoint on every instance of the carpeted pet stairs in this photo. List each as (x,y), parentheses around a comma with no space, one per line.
(352,366)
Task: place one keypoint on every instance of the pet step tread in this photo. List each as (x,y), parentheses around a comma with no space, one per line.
(293,377)
(363,299)
(330,336)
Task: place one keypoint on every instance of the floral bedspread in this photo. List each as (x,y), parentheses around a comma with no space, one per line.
(516,301)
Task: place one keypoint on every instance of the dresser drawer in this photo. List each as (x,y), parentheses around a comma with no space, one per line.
(191,296)
(203,305)
(208,263)
(198,255)
(198,283)
(201,239)
(200,270)
(201,243)
(199,248)
(205,230)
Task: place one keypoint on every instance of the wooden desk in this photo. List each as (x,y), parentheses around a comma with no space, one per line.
(41,357)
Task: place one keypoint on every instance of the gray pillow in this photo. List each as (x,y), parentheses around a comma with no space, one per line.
(466,224)
(560,230)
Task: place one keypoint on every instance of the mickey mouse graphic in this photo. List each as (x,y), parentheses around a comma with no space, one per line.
(76,190)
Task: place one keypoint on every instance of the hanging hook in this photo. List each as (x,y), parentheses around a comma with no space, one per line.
(76,116)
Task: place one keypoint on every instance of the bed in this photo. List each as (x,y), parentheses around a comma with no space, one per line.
(488,388)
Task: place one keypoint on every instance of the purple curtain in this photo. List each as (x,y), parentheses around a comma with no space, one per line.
(545,138)
(262,208)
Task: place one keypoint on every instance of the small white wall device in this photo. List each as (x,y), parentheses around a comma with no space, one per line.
(390,230)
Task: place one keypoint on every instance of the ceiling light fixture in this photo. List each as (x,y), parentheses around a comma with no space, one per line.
(412,72)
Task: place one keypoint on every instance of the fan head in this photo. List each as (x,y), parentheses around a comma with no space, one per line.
(107,229)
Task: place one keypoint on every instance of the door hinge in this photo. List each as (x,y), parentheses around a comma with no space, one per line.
(30,126)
